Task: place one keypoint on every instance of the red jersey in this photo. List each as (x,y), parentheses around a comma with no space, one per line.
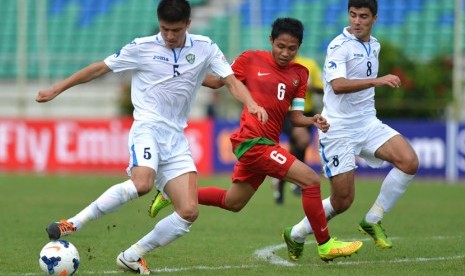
(272,87)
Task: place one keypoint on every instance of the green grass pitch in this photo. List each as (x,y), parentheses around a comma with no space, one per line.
(427,227)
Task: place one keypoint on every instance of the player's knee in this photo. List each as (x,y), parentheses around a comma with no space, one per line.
(409,164)
(143,187)
(309,181)
(413,165)
(341,204)
(234,207)
(190,214)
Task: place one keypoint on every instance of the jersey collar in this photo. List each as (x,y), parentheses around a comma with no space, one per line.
(346,33)
(160,41)
(366,45)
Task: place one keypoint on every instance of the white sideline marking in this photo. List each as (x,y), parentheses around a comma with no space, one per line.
(267,254)
(158,270)
(202,267)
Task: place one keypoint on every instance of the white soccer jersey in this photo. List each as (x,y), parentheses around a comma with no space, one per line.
(347,57)
(165,81)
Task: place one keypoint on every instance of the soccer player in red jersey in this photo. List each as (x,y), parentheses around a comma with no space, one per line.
(276,83)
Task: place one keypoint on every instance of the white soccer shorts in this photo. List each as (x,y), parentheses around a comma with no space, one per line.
(338,155)
(160,148)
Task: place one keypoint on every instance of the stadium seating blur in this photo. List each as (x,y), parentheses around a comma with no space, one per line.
(423,28)
(74,33)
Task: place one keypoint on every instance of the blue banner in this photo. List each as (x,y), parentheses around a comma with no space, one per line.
(428,139)
(460,145)
(223,159)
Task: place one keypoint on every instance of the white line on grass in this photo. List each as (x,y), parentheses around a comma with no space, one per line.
(158,270)
(267,254)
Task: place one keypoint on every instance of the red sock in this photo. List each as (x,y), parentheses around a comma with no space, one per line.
(212,196)
(313,208)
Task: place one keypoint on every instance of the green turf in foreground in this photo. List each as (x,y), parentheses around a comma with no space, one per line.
(426,227)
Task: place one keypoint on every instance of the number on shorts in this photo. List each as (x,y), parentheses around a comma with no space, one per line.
(278,157)
(336,161)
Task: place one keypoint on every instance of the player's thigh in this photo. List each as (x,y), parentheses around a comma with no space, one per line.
(377,135)
(177,171)
(400,153)
(301,174)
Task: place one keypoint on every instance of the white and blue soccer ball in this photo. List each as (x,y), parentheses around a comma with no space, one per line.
(59,257)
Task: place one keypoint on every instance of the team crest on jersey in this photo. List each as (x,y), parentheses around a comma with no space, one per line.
(375,53)
(295,82)
(190,58)
(331,65)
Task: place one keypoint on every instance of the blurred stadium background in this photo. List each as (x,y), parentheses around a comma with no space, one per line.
(47,40)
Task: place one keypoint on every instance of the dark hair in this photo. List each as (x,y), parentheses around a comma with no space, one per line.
(372,5)
(174,10)
(287,25)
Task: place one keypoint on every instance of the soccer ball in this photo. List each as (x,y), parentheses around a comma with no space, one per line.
(59,257)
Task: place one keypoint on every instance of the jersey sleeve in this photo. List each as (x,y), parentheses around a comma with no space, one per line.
(335,64)
(239,66)
(125,59)
(219,64)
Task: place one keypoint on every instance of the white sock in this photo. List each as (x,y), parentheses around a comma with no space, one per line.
(393,187)
(111,200)
(134,253)
(165,231)
(301,230)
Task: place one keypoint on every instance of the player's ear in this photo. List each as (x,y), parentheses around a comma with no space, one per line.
(271,40)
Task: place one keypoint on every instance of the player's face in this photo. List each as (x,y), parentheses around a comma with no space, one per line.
(174,34)
(361,21)
(284,49)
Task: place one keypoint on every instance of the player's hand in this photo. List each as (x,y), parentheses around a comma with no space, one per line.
(46,95)
(389,80)
(321,123)
(259,111)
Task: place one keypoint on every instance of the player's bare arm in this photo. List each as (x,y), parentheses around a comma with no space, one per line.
(298,119)
(213,82)
(343,85)
(241,93)
(84,75)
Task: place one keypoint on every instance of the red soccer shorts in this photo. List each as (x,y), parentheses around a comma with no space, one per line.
(260,161)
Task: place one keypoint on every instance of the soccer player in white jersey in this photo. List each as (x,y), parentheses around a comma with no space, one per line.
(168,68)
(350,76)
